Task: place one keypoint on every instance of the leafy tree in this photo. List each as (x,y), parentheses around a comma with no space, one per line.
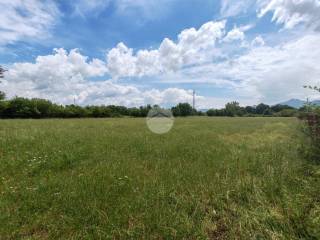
(262,108)
(268,112)
(316,88)
(250,109)
(233,109)
(21,108)
(182,109)
(3,107)
(312,119)
(216,112)
(2,95)
(280,107)
(144,110)
(287,113)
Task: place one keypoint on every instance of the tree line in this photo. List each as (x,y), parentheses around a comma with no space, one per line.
(234,109)
(19,107)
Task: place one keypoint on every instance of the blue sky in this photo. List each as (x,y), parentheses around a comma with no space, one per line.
(156,52)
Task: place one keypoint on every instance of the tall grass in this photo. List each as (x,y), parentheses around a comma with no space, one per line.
(208,178)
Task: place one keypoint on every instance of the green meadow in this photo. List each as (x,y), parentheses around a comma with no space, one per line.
(208,178)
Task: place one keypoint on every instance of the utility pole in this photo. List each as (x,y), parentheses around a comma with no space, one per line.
(194,99)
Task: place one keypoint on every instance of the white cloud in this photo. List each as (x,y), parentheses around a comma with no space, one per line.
(268,74)
(283,70)
(108,92)
(292,12)
(58,73)
(234,34)
(250,74)
(26,19)
(287,12)
(138,10)
(257,41)
(193,47)
(262,73)
(230,8)
(84,7)
(65,76)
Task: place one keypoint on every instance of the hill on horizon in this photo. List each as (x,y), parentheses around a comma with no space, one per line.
(297,103)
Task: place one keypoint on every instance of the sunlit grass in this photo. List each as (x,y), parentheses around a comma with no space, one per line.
(208,178)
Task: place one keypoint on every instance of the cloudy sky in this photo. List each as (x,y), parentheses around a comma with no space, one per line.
(136,52)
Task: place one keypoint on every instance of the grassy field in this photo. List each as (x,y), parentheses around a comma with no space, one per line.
(208,178)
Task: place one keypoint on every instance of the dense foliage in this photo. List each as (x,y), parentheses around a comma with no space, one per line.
(311,129)
(311,117)
(233,109)
(40,108)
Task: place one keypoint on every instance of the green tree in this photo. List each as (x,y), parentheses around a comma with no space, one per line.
(21,108)
(311,115)
(280,107)
(287,113)
(182,109)
(2,95)
(262,108)
(316,88)
(233,109)
(250,110)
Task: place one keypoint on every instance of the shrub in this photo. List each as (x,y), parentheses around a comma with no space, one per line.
(312,130)
(287,113)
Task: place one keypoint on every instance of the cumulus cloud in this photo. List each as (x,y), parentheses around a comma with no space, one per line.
(234,34)
(257,41)
(262,73)
(283,70)
(60,63)
(64,76)
(26,19)
(108,92)
(193,46)
(57,73)
(207,55)
(265,73)
(292,12)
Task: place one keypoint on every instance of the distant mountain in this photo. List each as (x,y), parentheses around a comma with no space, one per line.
(297,103)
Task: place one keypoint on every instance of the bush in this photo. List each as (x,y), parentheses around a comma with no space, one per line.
(312,130)
(286,113)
